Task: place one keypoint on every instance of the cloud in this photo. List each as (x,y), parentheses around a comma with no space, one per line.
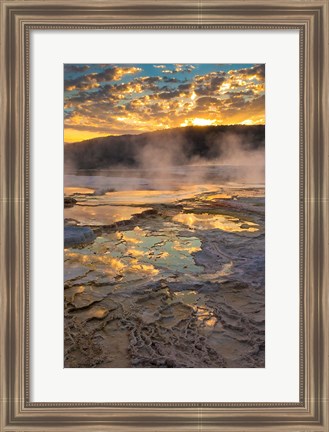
(216,82)
(75,68)
(178,68)
(207,101)
(116,73)
(170,79)
(124,99)
(257,71)
(85,82)
(93,80)
(169,94)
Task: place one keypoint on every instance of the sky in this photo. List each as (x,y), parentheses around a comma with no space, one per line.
(117,99)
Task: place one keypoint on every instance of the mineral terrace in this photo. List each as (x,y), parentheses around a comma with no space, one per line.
(164,278)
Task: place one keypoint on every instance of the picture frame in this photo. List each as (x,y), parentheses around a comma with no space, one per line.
(18,18)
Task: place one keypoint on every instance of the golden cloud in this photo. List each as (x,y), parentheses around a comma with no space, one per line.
(103,104)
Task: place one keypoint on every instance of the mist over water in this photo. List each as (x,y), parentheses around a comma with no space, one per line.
(172,271)
(169,161)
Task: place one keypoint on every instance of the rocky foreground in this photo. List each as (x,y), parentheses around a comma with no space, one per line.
(176,284)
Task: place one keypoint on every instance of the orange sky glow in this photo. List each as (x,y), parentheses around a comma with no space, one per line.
(102,100)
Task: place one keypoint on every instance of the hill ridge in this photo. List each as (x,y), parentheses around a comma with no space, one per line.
(176,145)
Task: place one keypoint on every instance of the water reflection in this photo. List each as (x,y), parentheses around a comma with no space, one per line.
(137,253)
(78,190)
(206,221)
(98,215)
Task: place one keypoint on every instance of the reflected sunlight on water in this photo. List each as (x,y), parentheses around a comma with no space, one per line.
(98,215)
(78,190)
(205,221)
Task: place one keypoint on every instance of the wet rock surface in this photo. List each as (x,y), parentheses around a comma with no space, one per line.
(179,286)
(75,236)
(69,201)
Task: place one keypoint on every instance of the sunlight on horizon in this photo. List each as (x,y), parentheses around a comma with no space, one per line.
(122,99)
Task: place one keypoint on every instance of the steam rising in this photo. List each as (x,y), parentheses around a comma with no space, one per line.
(169,159)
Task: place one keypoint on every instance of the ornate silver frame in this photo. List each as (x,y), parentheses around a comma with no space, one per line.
(18,18)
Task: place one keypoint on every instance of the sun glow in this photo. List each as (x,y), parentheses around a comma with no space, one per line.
(73,135)
(198,122)
(247,122)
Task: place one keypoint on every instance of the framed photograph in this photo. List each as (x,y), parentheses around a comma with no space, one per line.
(164,215)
